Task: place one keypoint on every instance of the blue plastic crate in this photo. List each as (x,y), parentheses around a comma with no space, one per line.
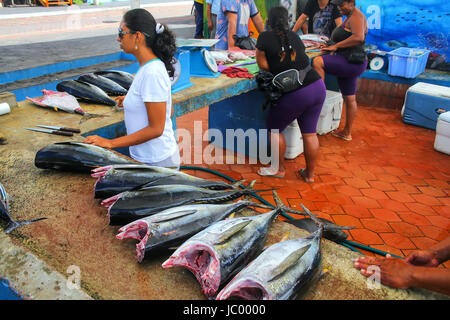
(407,62)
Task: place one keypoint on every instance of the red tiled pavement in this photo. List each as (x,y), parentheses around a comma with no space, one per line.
(388,182)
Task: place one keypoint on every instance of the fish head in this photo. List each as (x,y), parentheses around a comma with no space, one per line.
(202,260)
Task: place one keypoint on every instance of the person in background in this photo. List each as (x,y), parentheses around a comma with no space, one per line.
(348,41)
(322,17)
(278,50)
(148,103)
(418,269)
(213,7)
(198,4)
(233,19)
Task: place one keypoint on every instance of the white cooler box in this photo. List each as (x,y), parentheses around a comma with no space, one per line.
(442,139)
(330,116)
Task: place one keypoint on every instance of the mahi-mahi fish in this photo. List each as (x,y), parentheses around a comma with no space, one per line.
(114,179)
(132,205)
(77,157)
(11,224)
(109,86)
(280,272)
(85,91)
(171,227)
(121,77)
(222,249)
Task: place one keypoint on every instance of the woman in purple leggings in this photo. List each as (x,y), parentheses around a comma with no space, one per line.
(278,50)
(347,60)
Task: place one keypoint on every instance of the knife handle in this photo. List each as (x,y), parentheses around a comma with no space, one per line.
(70,129)
(63,133)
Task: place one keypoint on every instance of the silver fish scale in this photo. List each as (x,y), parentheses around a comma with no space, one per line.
(261,269)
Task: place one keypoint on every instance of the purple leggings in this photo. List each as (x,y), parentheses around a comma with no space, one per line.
(304,105)
(346,73)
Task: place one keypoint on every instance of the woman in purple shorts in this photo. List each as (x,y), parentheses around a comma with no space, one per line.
(278,50)
(347,60)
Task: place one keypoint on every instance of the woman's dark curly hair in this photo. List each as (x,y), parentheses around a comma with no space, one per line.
(278,22)
(163,45)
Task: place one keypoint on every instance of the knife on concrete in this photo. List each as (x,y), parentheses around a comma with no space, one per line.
(61,133)
(60,128)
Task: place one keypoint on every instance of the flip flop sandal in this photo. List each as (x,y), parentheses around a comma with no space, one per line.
(302,173)
(266,172)
(338,134)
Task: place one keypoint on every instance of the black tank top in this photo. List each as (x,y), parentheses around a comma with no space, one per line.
(340,34)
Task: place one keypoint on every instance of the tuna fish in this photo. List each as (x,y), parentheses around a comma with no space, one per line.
(331,231)
(280,272)
(172,226)
(221,250)
(11,224)
(86,91)
(112,180)
(122,78)
(58,100)
(132,205)
(77,156)
(107,85)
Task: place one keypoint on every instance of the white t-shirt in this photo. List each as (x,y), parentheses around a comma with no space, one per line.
(151,84)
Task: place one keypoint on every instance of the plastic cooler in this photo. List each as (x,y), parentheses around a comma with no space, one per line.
(330,116)
(407,62)
(442,139)
(424,102)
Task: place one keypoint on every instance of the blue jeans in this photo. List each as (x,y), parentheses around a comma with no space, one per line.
(198,20)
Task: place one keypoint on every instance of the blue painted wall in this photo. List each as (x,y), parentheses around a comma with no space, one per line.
(409,23)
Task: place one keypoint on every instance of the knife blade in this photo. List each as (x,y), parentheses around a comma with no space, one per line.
(60,128)
(61,133)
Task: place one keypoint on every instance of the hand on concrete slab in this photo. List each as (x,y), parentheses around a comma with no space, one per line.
(119,101)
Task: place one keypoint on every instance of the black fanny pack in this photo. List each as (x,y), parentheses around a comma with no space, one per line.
(290,80)
(354,55)
(246,43)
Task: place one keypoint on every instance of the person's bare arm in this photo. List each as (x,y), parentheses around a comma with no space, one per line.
(300,22)
(397,273)
(232,23)
(261,60)
(156,113)
(432,256)
(258,22)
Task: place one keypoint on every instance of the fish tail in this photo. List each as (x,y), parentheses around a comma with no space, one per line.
(12,225)
(314,218)
(237,184)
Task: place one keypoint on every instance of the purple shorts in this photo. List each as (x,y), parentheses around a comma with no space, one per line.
(303,104)
(346,73)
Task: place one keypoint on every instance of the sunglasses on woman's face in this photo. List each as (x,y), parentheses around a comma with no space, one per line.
(121,33)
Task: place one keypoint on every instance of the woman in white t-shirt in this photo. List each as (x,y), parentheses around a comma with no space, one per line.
(148,103)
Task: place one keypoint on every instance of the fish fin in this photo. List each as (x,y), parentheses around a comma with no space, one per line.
(149,184)
(285,237)
(313,217)
(16,224)
(236,184)
(278,201)
(288,262)
(231,216)
(174,215)
(231,231)
(254,204)
(56,109)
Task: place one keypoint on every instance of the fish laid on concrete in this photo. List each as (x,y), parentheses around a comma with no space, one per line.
(58,100)
(120,77)
(11,224)
(331,231)
(112,180)
(280,272)
(132,205)
(107,85)
(172,226)
(86,91)
(77,157)
(219,251)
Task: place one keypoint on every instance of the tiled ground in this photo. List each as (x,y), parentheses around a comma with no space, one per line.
(388,182)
